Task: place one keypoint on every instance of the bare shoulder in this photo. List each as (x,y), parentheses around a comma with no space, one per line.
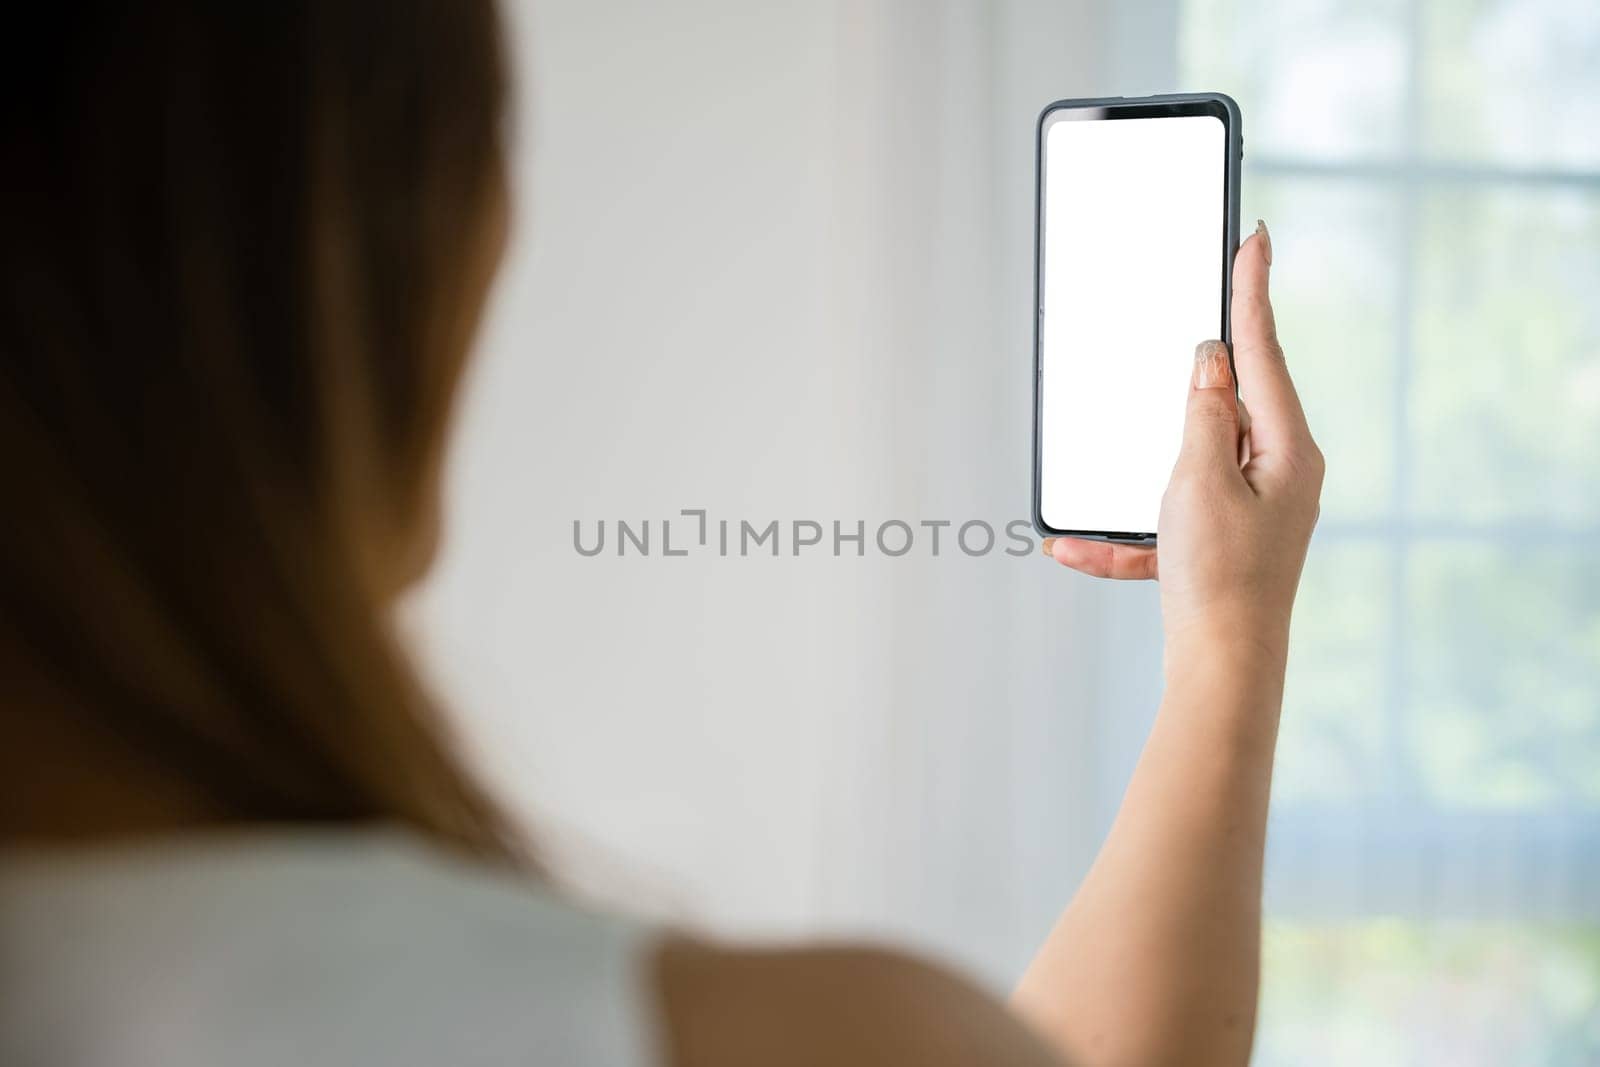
(843,1006)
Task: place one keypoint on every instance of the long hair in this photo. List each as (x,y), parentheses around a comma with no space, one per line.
(236,288)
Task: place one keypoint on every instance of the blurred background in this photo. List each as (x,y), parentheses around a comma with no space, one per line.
(773,260)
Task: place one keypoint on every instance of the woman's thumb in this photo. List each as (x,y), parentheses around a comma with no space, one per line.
(1211,428)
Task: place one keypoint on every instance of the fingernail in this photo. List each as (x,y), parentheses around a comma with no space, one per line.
(1048,541)
(1211,366)
(1266,240)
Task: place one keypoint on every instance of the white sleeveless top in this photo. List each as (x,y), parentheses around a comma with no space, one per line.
(307,949)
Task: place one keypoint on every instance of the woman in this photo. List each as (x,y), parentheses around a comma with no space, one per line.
(247,248)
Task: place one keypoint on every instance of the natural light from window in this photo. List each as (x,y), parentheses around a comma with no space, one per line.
(1431,172)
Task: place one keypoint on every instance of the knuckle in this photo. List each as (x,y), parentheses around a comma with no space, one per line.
(1214,405)
(1316,462)
(1269,336)
(1307,459)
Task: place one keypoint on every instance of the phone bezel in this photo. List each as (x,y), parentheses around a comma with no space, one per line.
(1217,105)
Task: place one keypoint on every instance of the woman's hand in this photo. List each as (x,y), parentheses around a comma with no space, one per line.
(1157,958)
(1232,537)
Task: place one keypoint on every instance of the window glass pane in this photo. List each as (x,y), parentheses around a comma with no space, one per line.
(1313,77)
(1385,993)
(1331,741)
(1505,674)
(1513,81)
(1440,747)
(1505,419)
(1334,279)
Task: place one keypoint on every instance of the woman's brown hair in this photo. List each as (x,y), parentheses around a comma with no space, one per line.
(244,252)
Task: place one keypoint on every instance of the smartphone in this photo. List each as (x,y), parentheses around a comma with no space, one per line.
(1137,223)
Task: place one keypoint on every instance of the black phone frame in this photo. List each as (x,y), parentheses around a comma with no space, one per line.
(1219,106)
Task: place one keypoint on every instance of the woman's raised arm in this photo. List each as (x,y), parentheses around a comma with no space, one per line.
(1156,959)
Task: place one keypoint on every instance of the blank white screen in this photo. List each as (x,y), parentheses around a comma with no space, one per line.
(1131,281)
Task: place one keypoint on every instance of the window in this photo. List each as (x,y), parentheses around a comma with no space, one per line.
(1431,173)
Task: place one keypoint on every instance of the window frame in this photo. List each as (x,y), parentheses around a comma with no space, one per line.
(1328,861)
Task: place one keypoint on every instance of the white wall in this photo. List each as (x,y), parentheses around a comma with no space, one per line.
(773,260)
